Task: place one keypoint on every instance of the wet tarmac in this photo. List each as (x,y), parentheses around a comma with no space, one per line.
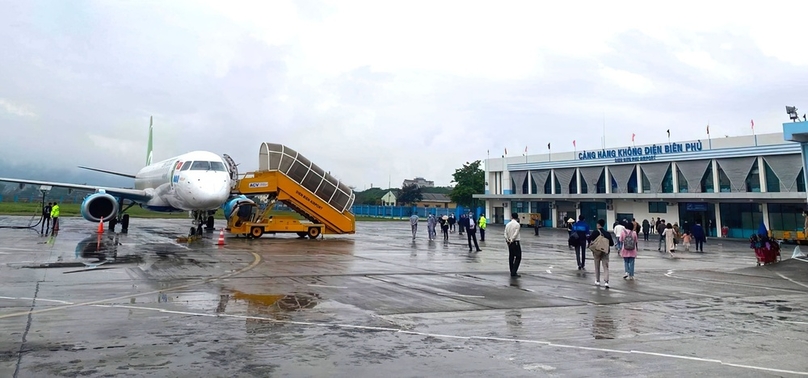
(378,303)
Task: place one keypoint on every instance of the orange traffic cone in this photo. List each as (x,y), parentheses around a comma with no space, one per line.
(101,226)
(221,238)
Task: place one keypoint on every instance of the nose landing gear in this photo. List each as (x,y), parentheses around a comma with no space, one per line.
(201,218)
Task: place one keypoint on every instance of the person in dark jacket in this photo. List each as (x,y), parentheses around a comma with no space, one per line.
(471,232)
(580,231)
(646,228)
(699,237)
(462,223)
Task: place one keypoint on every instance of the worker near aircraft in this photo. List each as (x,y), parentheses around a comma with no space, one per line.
(483,222)
(55,215)
(46,217)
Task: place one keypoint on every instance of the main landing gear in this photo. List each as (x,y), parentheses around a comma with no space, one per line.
(121,218)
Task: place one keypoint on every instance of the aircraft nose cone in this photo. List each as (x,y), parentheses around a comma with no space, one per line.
(212,195)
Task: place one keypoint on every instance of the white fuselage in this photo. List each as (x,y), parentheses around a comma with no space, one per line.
(195,181)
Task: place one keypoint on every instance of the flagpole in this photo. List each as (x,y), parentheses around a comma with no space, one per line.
(709,139)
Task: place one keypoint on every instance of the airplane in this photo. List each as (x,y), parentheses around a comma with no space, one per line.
(197,181)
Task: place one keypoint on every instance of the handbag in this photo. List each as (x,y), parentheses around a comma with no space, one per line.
(599,245)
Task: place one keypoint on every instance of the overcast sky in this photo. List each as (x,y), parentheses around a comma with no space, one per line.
(376,89)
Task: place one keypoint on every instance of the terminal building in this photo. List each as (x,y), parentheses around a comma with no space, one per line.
(733,182)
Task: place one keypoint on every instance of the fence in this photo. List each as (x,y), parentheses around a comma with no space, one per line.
(401,212)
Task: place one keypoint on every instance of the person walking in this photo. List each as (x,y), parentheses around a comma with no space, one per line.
(452,222)
(669,233)
(629,252)
(599,242)
(414,224)
(431,222)
(514,247)
(618,230)
(660,228)
(482,223)
(55,212)
(462,224)
(646,229)
(471,232)
(699,236)
(536,225)
(46,219)
(444,227)
(580,230)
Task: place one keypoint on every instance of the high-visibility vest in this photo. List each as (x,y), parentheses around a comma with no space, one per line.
(55,211)
(482,222)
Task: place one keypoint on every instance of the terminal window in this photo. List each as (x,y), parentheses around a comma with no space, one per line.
(657,207)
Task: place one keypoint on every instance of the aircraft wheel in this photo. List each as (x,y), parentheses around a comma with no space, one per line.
(257,232)
(112,223)
(125,223)
(192,232)
(209,223)
(314,232)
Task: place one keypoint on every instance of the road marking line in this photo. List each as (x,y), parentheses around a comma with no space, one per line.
(481,338)
(332,287)
(255,262)
(792,281)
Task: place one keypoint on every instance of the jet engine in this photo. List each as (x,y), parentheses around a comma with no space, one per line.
(232,206)
(99,205)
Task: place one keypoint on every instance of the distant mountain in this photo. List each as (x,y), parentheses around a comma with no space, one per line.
(36,172)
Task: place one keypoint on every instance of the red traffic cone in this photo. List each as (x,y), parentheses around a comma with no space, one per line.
(221,238)
(101,226)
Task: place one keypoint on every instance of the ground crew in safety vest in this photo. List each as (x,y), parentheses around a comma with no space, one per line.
(55,215)
(482,227)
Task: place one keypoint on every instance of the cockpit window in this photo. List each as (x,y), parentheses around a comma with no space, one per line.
(186,166)
(207,166)
(217,166)
(200,166)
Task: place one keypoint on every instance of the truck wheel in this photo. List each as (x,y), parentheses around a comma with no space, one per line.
(302,234)
(256,232)
(314,232)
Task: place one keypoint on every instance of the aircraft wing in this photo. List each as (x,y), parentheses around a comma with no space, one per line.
(130,194)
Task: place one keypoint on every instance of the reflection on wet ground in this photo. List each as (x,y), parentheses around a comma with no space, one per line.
(377,301)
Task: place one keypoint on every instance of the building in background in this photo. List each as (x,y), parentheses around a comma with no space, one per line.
(420,181)
(435,200)
(732,182)
(389,199)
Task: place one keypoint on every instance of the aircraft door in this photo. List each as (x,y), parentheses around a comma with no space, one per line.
(232,168)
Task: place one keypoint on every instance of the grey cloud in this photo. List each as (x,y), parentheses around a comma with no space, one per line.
(103,68)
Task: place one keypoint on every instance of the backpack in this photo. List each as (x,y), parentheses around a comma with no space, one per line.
(629,241)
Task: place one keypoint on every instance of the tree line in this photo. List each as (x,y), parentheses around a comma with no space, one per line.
(468,180)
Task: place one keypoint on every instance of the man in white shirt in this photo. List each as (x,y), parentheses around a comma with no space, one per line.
(514,248)
(414,224)
(619,227)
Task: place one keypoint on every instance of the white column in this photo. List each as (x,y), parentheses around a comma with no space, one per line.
(675,177)
(608,177)
(529,184)
(764,208)
(554,215)
(578,181)
(717,220)
(716,181)
(506,182)
(639,178)
(762,176)
(553,182)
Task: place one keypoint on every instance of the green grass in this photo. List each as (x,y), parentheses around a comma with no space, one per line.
(74,210)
